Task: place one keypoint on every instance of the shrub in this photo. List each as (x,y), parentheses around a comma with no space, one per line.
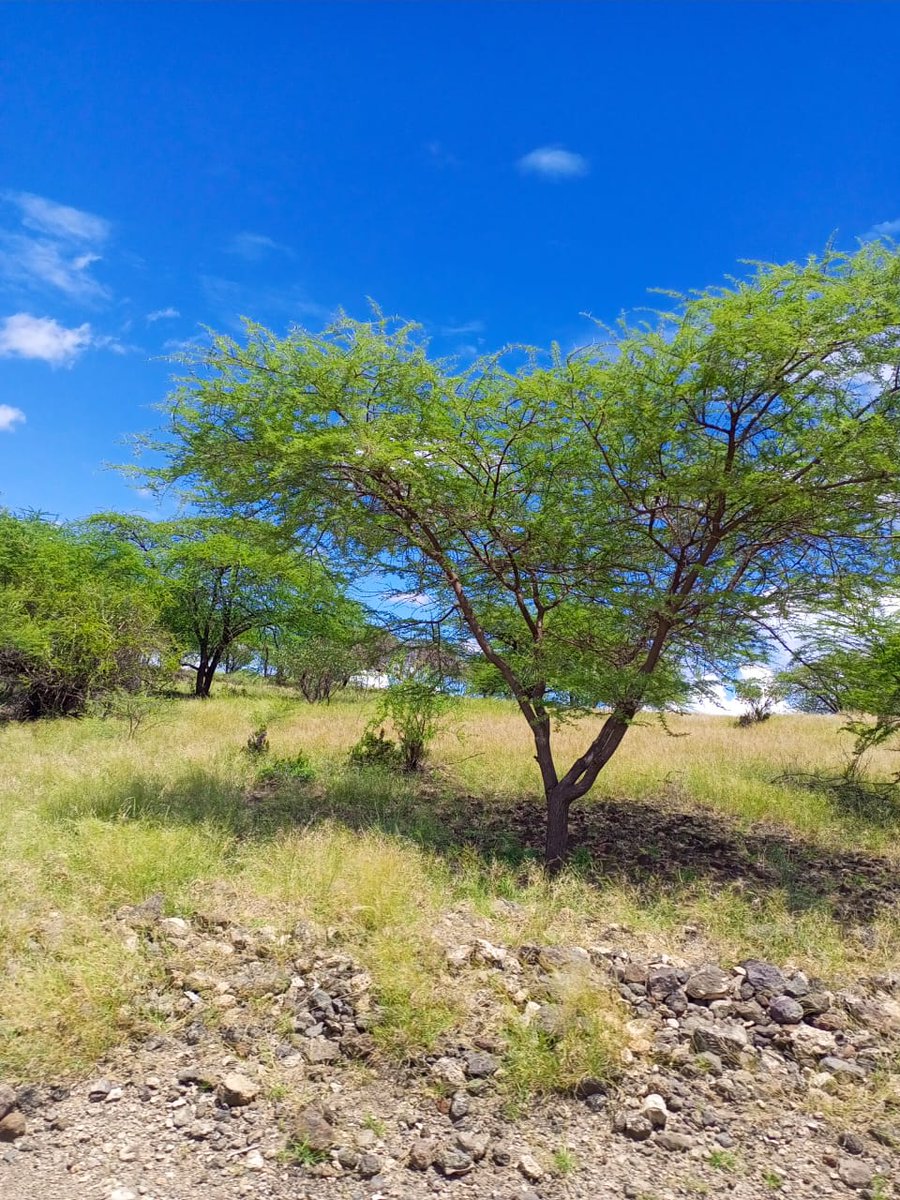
(415,708)
(296,768)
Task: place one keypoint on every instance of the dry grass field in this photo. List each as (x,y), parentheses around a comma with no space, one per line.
(689,831)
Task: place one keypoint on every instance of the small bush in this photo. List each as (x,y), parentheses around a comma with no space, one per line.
(297,769)
(375,750)
(258,742)
(415,708)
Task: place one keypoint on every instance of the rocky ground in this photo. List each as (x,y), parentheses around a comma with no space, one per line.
(265,1081)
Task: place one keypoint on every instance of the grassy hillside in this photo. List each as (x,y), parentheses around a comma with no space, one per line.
(686,835)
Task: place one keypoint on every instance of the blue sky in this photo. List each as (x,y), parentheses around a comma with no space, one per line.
(492,170)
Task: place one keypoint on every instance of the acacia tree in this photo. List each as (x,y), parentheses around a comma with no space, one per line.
(79,619)
(849,663)
(221,583)
(604,526)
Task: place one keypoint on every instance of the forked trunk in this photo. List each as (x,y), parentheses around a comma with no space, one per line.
(579,779)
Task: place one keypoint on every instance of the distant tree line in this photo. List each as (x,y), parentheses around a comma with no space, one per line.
(120,604)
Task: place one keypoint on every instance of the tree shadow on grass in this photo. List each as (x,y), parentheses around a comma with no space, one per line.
(656,847)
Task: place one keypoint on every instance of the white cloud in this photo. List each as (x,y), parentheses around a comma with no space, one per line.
(42,263)
(254,246)
(162,314)
(414,599)
(26,336)
(57,250)
(553,162)
(59,220)
(10,417)
(885,229)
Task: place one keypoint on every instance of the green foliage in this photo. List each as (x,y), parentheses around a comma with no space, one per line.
(849,663)
(375,750)
(231,593)
(78,620)
(300,1153)
(258,742)
(135,711)
(296,768)
(415,707)
(723,1160)
(606,526)
(761,696)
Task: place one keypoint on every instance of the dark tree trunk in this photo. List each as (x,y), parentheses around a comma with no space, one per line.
(578,780)
(206,670)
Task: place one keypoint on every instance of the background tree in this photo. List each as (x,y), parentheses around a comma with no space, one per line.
(849,663)
(230,593)
(79,619)
(605,526)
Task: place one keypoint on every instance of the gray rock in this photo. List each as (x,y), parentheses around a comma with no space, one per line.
(851,1142)
(531,1168)
(785,1010)
(348,1158)
(843,1068)
(480,1064)
(633,1125)
(452,1161)
(459,1106)
(236,1090)
(674,1141)
(369,1165)
(422,1153)
(724,1038)
(662,981)
(764,977)
(563,958)
(317,1050)
(709,983)
(854,1173)
(501,1154)
(99,1090)
(475,1144)
(313,1130)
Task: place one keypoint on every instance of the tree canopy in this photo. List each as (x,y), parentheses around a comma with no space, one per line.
(78,618)
(606,526)
(224,584)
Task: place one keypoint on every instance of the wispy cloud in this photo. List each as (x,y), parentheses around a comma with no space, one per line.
(885,229)
(553,162)
(255,246)
(59,220)
(25,336)
(235,300)
(162,314)
(10,417)
(53,247)
(461,329)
